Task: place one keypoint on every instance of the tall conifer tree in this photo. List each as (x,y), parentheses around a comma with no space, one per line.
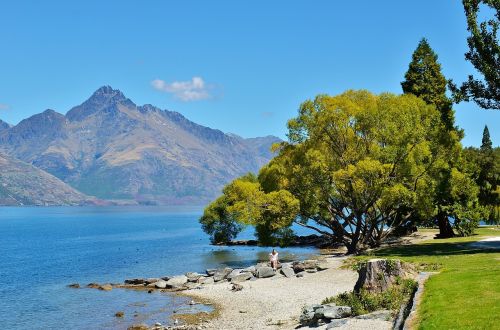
(425,80)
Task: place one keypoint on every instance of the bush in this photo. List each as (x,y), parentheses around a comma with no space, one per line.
(365,302)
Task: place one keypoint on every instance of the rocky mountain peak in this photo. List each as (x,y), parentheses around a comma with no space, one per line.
(103,98)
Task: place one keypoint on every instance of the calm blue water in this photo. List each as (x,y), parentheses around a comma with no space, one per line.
(44,249)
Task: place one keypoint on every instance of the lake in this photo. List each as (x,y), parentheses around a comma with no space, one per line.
(42,250)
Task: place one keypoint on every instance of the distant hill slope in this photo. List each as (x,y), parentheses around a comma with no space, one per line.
(113,149)
(24,184)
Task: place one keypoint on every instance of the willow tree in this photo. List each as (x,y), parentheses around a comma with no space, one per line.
(356,167)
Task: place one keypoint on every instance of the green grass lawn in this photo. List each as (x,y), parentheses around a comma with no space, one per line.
(466,292)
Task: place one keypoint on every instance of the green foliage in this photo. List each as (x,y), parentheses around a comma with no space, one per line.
(357,166)
(425,80)
(245,203)
(484,55)
(454,193)
(219,223)
(364,302)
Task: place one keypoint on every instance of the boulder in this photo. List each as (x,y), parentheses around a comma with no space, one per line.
(337,323)
(300,266)
(93,285)
(191,285)
(242,277)
(286,265)
(151,280)
(377,275)
(206,280)
(211,271)
(222,273)
(288,272)
(105,287)
(138,327)
(74,286)
(119,314)
(301,274)
(319,312)
(135,281)
(322,265)
(308,314)
(233,273)
(193,277)
(263,272)
(237,287)
(336,312)
(250,269)
(177,281)
(161,284)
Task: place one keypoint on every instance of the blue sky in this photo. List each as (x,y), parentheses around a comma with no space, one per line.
(239,66)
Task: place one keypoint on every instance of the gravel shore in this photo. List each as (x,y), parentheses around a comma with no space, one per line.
(276,302)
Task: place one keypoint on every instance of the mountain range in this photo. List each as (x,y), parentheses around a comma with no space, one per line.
(112,149)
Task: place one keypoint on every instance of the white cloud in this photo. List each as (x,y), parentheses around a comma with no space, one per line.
(192,90)
(4,106)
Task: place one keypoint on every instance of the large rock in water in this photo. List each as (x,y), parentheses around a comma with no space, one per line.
(377,275)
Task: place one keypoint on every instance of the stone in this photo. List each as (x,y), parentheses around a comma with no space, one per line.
(286,265)
(337,323)
(191,285)
(337,312)
(74,286)
(383,315)
(233,273)
(308,314)
(138,327)
(237,287)
(151,280)
(93,285)
(322,266)
(377,275)
(193,277)
(288,272)
(177,281)
(119,314)
(211,271)
(300,266)
(135,281)
(250,269)
(301,274)
(263,272)
(222,273)
(242,277)
(105,287)
(312,270)
(206,280)
(161,284)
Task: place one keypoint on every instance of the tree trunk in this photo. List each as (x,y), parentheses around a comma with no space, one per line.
(445,230)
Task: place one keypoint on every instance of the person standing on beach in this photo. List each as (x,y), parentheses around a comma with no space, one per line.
(273,258)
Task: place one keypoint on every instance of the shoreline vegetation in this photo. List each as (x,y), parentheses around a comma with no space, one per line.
(265,299)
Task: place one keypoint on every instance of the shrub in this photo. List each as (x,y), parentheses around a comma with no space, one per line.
(365,302)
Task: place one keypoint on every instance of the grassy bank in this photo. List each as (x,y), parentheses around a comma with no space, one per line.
(466,292)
